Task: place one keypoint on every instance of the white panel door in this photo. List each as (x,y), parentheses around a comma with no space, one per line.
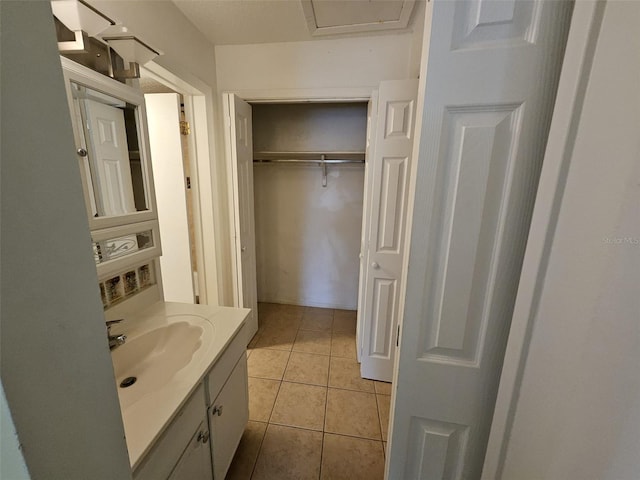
(389,169)
(488,91)
(163,121)
(110,157)
(240,143)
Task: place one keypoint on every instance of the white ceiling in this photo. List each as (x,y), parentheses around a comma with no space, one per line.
(230,22)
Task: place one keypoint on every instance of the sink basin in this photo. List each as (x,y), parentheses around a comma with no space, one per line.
(155,357)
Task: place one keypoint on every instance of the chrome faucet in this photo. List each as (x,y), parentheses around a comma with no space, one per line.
(115,340)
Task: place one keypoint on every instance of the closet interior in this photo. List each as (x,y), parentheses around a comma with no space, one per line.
(309,170)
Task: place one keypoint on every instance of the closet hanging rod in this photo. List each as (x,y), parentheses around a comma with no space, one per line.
(308,161)
(323,161)
(309,155)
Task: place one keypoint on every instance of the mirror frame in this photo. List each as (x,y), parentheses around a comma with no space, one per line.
(74,72)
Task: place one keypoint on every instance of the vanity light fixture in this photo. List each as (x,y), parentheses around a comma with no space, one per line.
(82,19)
(132,51)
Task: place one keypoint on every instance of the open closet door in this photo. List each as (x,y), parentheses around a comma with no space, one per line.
(492,70)
(163,120)
(382,262)
(240,153)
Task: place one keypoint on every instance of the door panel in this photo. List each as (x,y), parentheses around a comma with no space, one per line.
(389,166)
(241,142)
(493,69)
(106,129)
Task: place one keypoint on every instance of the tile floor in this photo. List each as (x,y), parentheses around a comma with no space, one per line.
(311,416)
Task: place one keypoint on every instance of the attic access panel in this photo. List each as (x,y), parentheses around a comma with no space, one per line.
(336,17)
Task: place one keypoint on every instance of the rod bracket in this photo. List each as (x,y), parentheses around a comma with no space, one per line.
(323,164)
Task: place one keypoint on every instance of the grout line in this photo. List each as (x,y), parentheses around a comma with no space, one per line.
(273,407)
(255,462)
(326,404)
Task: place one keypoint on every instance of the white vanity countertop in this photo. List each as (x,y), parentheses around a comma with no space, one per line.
(147,411)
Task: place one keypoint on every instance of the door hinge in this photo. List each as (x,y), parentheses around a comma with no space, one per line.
(185,128)
(398,337)
(188,183)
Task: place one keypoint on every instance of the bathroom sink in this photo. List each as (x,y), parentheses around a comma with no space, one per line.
(149,361)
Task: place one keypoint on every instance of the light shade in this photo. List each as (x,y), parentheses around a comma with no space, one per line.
(131,49)
(78,16)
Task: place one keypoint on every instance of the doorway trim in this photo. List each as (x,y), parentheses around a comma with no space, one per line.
(198,99)
(319,95)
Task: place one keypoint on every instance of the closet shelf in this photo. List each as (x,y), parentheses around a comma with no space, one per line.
(313,158)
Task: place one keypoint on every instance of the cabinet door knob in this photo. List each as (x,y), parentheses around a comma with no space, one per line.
(375,265)
(217,410)
(82,152)
(203,436)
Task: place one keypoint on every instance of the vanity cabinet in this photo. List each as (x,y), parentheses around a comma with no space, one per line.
(201,440)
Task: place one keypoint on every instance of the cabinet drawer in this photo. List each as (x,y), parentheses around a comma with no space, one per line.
(168,449)
(222,369)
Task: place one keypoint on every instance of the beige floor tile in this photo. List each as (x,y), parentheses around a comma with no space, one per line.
(352,413)
(299,405)
(289,454)
(277,338)
(319,322)
(266,308)
(254,340)
(351,458)
(343,344)
(265,363)
(293,309)
(345,373)
(262,396)
(245,458)
(307,368)
(313,342)
(384,403)
(383,388)
(318,311)
(282,319)
(344,321)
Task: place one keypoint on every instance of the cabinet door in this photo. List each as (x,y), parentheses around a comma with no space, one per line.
(228,416)
(167,451)
(195,463)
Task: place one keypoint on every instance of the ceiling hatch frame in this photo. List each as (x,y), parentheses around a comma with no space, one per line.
(401,23)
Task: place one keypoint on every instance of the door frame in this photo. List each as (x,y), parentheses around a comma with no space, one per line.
(198,102)
(319,95)
(574,78)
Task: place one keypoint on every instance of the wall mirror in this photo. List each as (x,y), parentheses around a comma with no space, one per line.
(111,144)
